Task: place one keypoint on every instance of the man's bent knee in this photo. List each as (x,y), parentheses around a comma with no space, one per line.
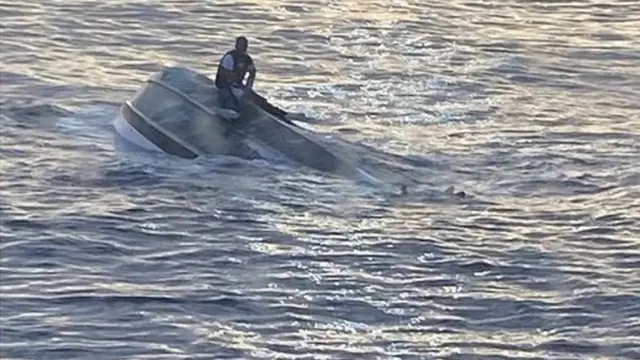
(227,99)
(237,92)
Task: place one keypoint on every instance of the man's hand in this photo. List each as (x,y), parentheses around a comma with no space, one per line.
(252,76)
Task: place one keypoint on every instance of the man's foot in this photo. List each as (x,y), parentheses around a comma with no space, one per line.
(227,113)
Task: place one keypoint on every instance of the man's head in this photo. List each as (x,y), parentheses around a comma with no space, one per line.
(242,44)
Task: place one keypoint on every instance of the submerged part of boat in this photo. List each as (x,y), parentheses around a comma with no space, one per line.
(177,112)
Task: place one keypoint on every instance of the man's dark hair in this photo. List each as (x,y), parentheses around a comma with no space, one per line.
(241,40)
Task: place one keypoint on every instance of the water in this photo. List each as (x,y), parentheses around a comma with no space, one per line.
(530,107)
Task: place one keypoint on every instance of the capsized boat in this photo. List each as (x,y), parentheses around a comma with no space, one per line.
(177,112)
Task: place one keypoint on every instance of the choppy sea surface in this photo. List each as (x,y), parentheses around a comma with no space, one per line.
(531,107)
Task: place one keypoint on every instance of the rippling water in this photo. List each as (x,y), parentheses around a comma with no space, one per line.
(533,108)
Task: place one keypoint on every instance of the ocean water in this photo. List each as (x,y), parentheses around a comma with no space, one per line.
(531,108)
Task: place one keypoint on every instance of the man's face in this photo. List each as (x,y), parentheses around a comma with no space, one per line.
(241,46)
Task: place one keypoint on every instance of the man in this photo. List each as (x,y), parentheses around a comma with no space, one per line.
(233,68)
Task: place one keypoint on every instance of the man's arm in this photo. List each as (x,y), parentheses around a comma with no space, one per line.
(252,75)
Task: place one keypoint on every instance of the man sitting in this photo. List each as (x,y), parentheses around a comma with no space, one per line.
(232,69)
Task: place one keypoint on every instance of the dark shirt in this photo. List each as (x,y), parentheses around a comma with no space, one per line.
(239,64)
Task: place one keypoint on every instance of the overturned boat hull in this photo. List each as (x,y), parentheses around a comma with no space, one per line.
(177,112)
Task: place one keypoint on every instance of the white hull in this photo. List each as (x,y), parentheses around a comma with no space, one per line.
(127,132)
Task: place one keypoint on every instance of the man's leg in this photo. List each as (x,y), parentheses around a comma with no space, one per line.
(228,100)
(264,104)
(276,111)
